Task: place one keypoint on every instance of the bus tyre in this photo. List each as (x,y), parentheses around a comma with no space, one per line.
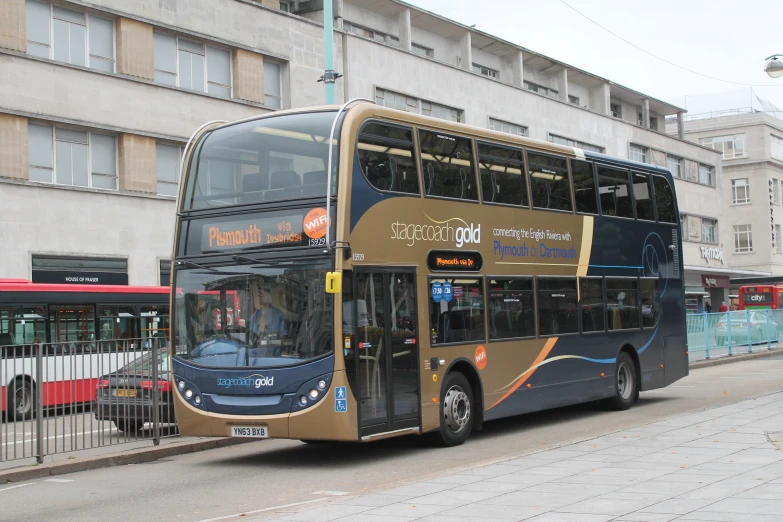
(129,426)
(626,384)
(21,401)
(457,410)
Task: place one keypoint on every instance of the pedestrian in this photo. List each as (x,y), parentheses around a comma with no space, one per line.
(723,307)
(708,307)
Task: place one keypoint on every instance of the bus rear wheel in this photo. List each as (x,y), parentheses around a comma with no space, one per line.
(21,400)
(457,410)
(626,384)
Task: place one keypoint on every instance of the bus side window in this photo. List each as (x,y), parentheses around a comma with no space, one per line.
(651,301)
(584,187)
(502,175)
(557,305)
(622,303)
(549,184)
(386,157)
(664,200)
(613,186)
(448,161)
(642,194)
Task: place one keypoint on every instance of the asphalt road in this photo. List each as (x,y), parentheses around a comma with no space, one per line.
(251,477)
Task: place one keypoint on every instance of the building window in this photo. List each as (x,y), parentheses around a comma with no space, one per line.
(638,153)
(69,157)
(273,86)
(192,65)
(568,142)
(168,168)
(617,110)
(743,239)
(485,71)
(707,175)
(684,226)
(708,227)
(730,146)
(573,99)
(422,51)
(778,240)
(740,191)
(286,6)
(775,186)
(640,119)
(546,91)
(69,36)
(370,34)
(409,104)
(776,147)
(674,164)
(504,126)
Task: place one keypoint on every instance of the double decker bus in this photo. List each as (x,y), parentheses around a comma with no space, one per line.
(403,274)
(84,331)
(761,297)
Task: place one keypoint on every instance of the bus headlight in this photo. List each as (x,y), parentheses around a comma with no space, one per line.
(189,394)
(303,400)
(313,394)
(197,400)
(181,385)
(322,385)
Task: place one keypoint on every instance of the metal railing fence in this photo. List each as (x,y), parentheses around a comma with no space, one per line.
(729,333)
(62,397)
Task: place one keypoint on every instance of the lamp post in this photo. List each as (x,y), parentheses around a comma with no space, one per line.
(329,74)
(774,66)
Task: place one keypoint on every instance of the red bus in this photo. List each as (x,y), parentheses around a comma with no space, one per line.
(754,297)
(86,331)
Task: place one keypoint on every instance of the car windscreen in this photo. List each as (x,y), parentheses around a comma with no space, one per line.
(264,315)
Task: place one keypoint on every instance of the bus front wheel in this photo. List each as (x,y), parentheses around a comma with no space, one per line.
(21,400)
(626,384)
(457,410)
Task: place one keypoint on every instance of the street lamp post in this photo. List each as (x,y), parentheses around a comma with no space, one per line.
(774,66)
(329,73)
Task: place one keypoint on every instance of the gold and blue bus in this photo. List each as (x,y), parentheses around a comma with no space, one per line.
(356,273)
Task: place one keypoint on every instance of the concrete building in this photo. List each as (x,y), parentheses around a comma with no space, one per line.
(96,100)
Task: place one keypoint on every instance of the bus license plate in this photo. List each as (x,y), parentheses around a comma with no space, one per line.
(253,431)
(123,392)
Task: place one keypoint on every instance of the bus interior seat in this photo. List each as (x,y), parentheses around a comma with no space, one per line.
(429,181)
(503,325)
(285,184)
(495,186)
(314,183)
(253,187)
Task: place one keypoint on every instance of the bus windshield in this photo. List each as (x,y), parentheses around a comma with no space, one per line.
(265,315)
(269,159)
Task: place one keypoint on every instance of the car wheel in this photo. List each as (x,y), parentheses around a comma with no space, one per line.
(129,426)
(457,410)
(626,384)
(21,401)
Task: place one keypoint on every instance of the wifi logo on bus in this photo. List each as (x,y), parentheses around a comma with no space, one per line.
(315,223)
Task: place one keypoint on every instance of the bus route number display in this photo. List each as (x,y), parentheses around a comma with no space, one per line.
(450,261)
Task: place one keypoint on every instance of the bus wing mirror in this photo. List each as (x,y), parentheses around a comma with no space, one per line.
(334,282)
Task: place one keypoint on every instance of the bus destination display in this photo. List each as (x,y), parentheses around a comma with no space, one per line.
(450,261)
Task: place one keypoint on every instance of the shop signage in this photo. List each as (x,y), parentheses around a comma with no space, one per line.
(78,277)
(712,254)
(710,281)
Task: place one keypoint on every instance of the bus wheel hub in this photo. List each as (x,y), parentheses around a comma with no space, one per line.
(456,409)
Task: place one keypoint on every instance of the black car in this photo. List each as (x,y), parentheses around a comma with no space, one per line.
(125,396)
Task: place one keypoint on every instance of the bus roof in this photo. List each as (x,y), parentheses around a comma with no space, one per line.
(22,285)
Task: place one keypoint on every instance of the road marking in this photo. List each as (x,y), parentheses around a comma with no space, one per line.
(58,480)
(330,493)
(19,486)
(245,513)
(108,431)
(683,386)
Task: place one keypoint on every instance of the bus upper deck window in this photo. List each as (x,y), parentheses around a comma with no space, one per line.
(386,157)
(502,175)
(549,183)
(643,196)
(447,165)
(614,189)
(584,187)
(664,200)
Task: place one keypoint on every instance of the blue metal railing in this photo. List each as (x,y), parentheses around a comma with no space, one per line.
(727,333)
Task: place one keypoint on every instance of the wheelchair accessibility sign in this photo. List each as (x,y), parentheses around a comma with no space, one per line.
(340,399)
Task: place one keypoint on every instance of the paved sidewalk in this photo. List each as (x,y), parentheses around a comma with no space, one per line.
(723,464)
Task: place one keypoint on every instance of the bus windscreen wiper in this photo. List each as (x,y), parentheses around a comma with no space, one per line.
(191,264)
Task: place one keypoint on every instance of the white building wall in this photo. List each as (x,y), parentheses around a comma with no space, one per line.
(41,219)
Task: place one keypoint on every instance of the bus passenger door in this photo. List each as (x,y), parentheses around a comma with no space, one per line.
(387,350)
